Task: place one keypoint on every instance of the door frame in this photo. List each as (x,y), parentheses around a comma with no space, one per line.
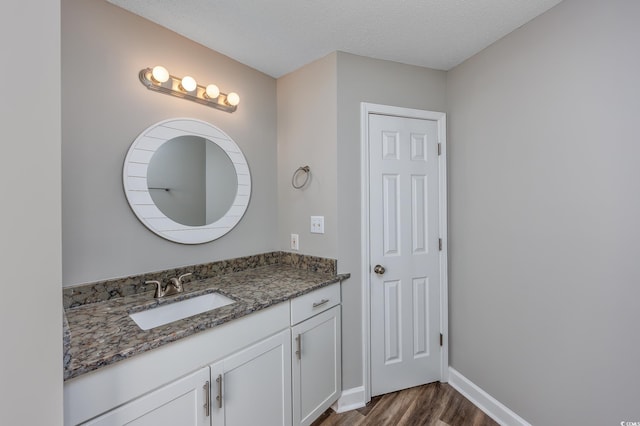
(440,118)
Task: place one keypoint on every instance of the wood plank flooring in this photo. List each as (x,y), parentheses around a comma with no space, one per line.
(435,404)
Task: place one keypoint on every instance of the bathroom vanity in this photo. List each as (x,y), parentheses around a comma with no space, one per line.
(247,341)
(272,357)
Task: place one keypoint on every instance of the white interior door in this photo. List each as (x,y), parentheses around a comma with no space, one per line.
(404,252)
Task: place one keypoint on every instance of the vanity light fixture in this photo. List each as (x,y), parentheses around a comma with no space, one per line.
(233,99)
(212,91)
(159,74)
(188,84)
(159,79)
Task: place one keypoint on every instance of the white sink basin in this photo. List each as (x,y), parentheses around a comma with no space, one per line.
(171,312)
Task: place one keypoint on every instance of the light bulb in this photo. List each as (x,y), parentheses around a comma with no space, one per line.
(160,74)
(212,91)
(233,99)
(188,84)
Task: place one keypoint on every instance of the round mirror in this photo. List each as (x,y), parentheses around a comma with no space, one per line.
(187,181)
(192,180)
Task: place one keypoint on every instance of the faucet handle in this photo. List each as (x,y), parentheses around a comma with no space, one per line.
(159,292)
(177,282)
(183,276)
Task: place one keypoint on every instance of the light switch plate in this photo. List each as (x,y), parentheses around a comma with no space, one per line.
(317,224)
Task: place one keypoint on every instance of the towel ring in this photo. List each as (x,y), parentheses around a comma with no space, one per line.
(307,172)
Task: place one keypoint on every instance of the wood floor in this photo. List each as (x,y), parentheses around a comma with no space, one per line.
(435,404)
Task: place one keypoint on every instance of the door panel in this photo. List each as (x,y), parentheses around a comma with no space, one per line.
(404,232)
(317,369)
(181,402)
(253,386)
(419,234)
(420,317)
(392,322)
(391,209)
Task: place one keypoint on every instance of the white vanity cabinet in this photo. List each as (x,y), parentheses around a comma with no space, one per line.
(280,366)
(316,353)
(249,387)
(253,386)
(102,392)
(182,402)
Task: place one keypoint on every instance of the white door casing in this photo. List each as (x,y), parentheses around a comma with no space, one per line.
(404,219)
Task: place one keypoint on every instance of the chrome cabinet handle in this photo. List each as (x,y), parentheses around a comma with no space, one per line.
(298,346)
(207,399)
(379,269)
(219,397)
(320,303)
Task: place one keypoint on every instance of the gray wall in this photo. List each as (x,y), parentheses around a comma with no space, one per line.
(105,107)
(544,209)
(363,79)
(31,302)
(307,136)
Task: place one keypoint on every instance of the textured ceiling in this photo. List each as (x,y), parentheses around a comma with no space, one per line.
(279,36)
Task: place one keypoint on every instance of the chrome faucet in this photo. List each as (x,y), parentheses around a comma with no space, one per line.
(174,286)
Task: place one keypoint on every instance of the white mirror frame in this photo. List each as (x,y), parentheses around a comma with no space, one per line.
(137,190)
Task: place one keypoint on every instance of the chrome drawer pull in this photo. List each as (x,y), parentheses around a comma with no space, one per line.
(320,303)
(219,396)
(207,397)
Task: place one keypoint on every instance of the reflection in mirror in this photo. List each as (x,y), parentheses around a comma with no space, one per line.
(192,180)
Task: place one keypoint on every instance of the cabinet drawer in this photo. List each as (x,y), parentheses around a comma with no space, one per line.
(313,303)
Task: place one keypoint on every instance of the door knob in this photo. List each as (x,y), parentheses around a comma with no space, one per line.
(379,269)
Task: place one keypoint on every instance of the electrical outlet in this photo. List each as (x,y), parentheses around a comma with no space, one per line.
(295,242)
(317,224)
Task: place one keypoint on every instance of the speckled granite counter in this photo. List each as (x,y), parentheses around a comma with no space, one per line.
(102,333)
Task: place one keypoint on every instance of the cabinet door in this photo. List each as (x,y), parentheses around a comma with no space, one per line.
(253,386)
(316,365)
(181,402)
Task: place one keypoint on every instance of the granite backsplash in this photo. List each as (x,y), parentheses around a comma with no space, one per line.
(126,286)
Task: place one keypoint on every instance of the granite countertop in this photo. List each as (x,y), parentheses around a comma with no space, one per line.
(102,333)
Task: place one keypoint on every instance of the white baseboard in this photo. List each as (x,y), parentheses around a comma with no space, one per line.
(350,399)
(491,406)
